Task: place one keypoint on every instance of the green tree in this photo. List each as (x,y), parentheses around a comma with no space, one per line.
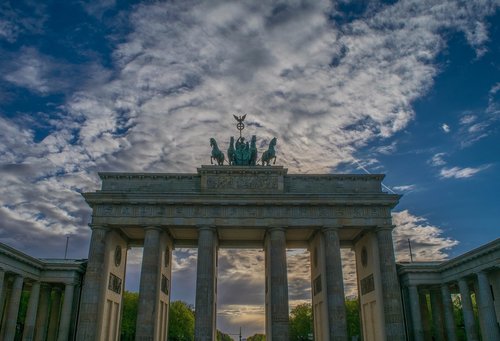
(181,322)
(301,322)
(223,337)
(257,337)
(129,318)
(352,317)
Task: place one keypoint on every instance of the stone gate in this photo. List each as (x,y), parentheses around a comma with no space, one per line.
(241,206)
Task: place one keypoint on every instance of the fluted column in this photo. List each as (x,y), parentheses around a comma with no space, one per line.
(449,320)
(93,284)
(148,289)
(206,272)
(13,309)
(278,284)
(29,322)
(42,316)
(416,316)
(391,295)
(437,314)
(66,310)
(2,294)
(424,310)
(55,313)
(335,285)
(486,309)
(470,325)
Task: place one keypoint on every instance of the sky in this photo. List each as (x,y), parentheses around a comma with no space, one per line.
(410,89)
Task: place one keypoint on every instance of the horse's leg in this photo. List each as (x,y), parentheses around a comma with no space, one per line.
(211,160)
(274,162)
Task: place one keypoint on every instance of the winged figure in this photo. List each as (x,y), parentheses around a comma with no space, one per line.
(240,119)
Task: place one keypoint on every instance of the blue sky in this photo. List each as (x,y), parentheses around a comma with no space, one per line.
(406,88)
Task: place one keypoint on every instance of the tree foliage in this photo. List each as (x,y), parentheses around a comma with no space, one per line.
(223,337)
(181,322)
(301,320)
(352,317)
(129,318)
(257,337)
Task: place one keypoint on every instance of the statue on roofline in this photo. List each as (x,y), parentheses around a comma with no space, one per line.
(241,152)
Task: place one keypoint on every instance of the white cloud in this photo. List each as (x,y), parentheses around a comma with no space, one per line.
(404,188)
(460,173)
(446,128)
(427,241)
(438,160)
(467,119)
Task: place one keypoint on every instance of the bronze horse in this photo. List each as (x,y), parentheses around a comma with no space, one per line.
(231,152)
(216,153)
(269,153)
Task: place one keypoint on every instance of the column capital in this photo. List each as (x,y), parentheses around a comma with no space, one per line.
(385,227)
(206,227)
(483,272)
(326,228)
(99,227)
(152,227)
(276,228)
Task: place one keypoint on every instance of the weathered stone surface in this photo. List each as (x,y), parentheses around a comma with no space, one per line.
(206,272)
(334,285)
(393,310)
(277,284)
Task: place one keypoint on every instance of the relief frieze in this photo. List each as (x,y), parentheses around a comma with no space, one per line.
(247,211)
(231,182)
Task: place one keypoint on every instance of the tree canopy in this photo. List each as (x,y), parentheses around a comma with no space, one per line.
(301,320)
(181,322)
(129,318)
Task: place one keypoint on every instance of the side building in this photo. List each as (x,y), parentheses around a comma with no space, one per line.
(53,287)
(469,284)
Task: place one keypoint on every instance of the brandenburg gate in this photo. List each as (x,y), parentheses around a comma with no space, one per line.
(236,206)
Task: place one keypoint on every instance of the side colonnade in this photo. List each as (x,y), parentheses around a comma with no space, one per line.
(53,288)
(470,283)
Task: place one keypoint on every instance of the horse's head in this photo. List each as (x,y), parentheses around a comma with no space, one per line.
(231,140)
(212,142)
(273,142)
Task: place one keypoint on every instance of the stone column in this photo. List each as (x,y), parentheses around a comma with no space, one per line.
(29,322)
(278,284)
(13,309)
(391,295)
(42,316)
(206,272)
(486,308)
(470,325)
(437,314)
(2,294)
(337,322)
(55,313)
(93,285)
(149,285)
(448,313)
(424,310)
(416,316)
(67,306)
